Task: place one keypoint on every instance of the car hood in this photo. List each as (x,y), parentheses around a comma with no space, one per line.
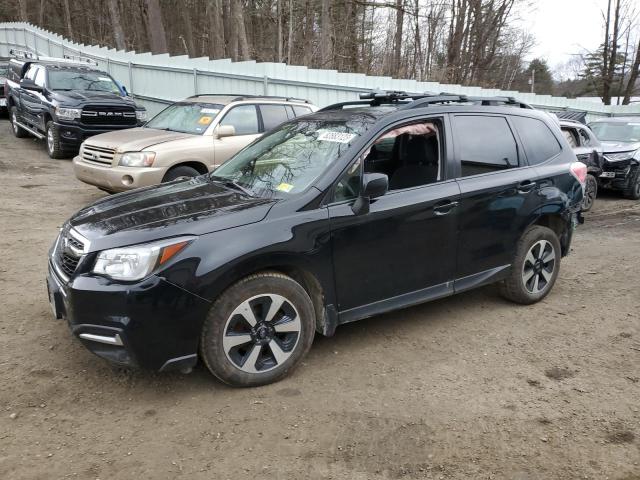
(79,96)
(191,207)
(615,147)
(134,139)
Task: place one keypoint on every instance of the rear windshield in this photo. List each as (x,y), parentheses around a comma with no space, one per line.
(617,131)
(186,117)
(78,80)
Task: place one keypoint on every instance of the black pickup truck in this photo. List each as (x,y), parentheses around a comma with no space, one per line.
(66,100)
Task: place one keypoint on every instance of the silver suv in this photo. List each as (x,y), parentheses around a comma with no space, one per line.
(188,138)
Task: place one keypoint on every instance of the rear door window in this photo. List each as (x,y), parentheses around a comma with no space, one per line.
(484,144)
(301,110)
(39,78)
(244,118)
(273,115)
(539,143)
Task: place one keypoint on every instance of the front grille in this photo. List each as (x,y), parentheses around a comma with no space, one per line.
(93,154)
(69,251)
(105,115)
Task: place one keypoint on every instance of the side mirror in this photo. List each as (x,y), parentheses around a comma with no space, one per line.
(124,89)
(30,85)
(374,185)
(225,131)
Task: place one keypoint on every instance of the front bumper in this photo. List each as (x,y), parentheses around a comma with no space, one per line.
(117,179)
(72,135)
(616,175)
(149,324)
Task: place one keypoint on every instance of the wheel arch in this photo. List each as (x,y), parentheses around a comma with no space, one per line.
(195,164)
(560,225)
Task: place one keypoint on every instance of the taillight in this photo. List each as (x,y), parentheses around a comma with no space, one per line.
(579,171)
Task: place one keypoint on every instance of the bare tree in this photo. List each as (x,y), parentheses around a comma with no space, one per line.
(118,33)
(155,27)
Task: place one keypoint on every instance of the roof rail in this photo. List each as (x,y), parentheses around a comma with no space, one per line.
(16,52)
(80,59)
(418,100)
(238,98)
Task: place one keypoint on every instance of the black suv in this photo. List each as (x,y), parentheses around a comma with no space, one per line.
(65,101)
(355,210)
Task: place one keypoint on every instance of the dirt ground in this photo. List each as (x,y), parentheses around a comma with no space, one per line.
(470,387)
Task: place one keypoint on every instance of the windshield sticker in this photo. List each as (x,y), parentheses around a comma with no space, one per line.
(205,120)
(212,111)
(339,137)
(104,79)
(284,187)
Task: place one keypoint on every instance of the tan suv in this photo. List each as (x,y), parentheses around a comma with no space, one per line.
(186,139)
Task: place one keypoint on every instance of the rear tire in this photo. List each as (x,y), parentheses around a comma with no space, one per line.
(633,192)
(52,137)
(535,266)
(590,193)
(258,330)
(18,132)
(180,172)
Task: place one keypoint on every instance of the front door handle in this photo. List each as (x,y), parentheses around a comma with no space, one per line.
(445,207)
(526,186)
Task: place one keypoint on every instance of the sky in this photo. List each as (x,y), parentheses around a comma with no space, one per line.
(564,27)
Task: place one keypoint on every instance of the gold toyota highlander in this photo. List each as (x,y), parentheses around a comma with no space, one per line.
(186,139)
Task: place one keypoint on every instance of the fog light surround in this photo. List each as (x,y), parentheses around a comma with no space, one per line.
(127,180)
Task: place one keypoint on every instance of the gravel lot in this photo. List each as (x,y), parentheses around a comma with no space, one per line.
(466,387)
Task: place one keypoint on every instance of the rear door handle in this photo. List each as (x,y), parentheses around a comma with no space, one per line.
(444,208)
(526,186)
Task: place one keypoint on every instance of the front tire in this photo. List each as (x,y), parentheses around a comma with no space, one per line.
(258,330)
(18,131)
(535,266)
(181,172)
(54,148)
(590,193)
(633,192)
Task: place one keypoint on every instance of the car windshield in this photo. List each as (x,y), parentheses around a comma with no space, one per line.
(617,131)
(79,80)
(290,158)
(186,117)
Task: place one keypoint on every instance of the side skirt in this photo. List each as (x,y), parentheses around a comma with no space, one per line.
(423,295)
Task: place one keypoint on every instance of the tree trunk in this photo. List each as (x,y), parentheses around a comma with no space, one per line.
(290,39)
(241,34)
(326,36)
(188,30)
(118,33)
(40,13)
(216,29)
(23,10)
(633,77)
(155,27)
(606,94)
(279,33)
(67,19)
(397,39)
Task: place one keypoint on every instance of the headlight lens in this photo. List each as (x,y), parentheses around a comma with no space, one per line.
(618,157)
(137,159)
(141,115)
(68,113)
(135,263)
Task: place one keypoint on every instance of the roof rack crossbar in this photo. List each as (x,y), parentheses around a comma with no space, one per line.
(238,98)
(80,59)
(18,53)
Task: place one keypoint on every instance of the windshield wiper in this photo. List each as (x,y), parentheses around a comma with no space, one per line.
(227,182)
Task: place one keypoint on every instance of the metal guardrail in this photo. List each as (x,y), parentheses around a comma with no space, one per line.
(158,80)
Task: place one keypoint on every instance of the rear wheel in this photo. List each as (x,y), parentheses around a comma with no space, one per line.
(181,172)
(590,193)
(54,148)
(535,266)
(18,131)
(258,330)
(633,191)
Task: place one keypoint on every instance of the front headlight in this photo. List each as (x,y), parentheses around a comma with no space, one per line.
(68,113)
(137,159)
(619,157)
(135,263)
(141,115)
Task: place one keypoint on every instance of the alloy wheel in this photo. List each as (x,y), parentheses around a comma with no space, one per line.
(589,194)
(14,120)
(50,140)
(539,266)
(261,333)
